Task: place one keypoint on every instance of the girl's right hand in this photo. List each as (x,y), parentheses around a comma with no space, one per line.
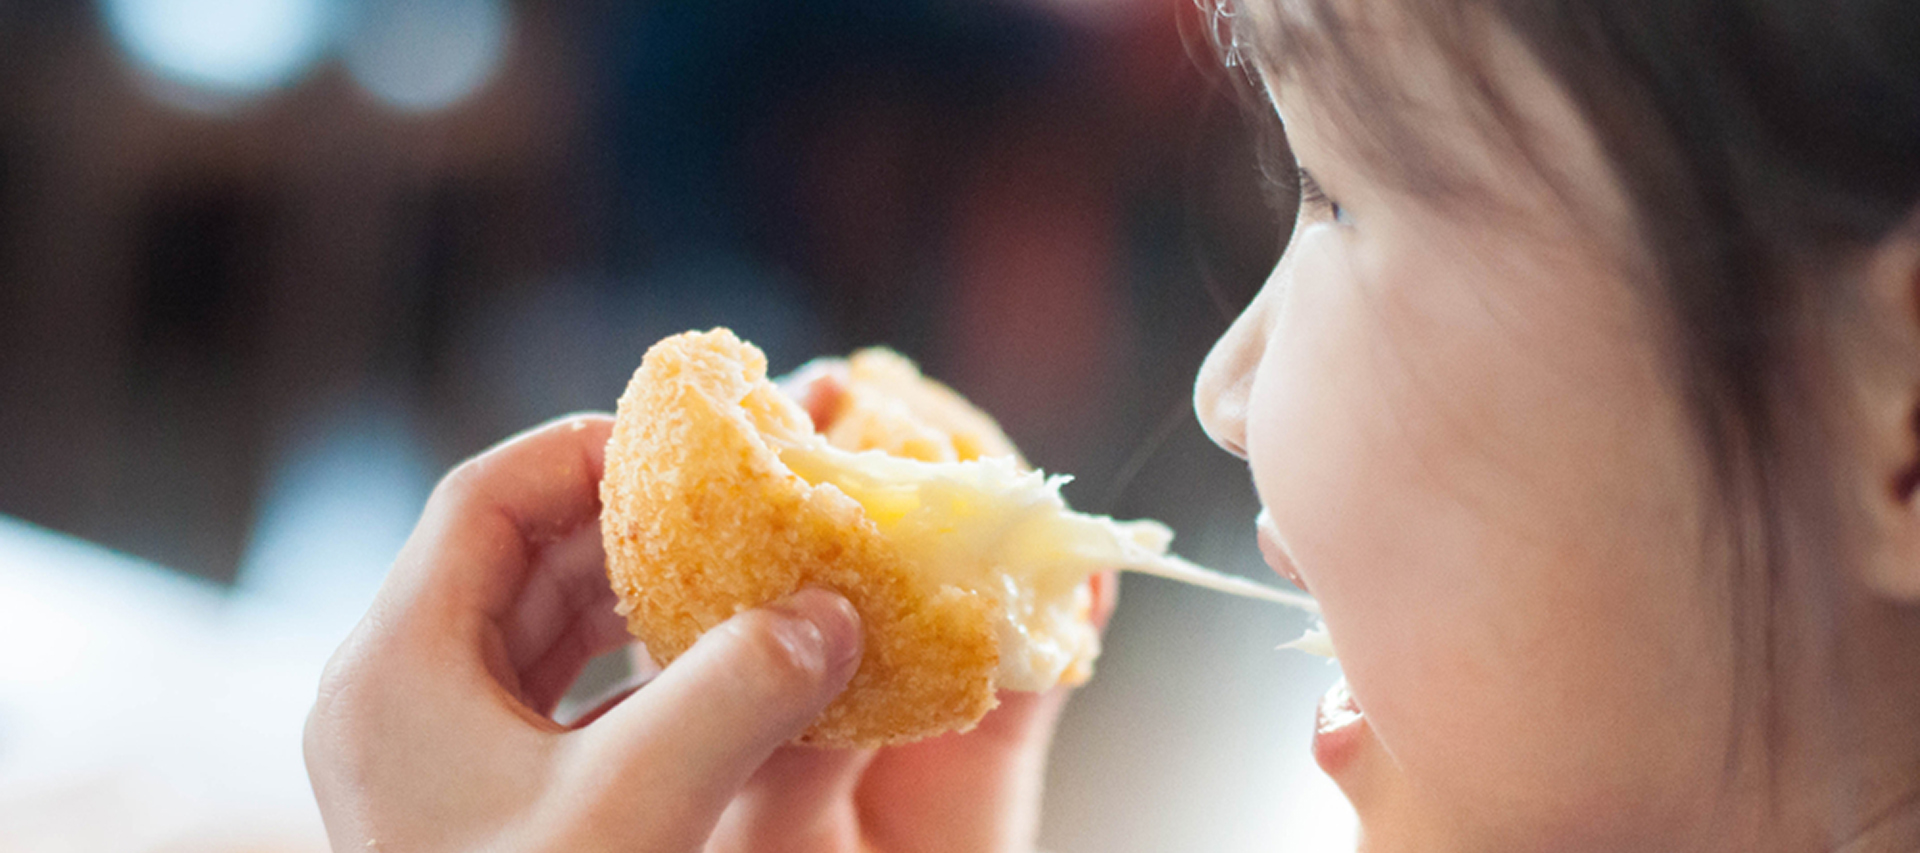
(432,727)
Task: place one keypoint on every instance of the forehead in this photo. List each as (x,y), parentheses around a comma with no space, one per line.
(1433,99)
(1366,72)
(1293,37)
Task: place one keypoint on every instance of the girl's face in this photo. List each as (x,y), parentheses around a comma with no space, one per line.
(1470,449)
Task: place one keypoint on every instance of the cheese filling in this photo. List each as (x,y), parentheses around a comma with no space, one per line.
(990,527)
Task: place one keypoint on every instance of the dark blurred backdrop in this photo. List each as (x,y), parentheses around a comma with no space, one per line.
(1050,203)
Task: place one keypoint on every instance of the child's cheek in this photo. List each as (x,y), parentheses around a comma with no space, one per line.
(1347,466)
(1493,601)
(1333,463)
(1342,470)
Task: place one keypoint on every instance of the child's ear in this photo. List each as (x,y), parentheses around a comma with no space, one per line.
(1880,348)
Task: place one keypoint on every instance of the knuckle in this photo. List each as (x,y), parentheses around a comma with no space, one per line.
(331,721)
(461,483)
(334,703)
(350,691)
(358,706)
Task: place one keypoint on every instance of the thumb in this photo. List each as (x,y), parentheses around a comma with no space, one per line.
(686,743)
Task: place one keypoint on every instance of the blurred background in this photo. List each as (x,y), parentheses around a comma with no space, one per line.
(268,267)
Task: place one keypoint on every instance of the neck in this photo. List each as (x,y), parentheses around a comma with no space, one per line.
(1895,831)
(1845,747)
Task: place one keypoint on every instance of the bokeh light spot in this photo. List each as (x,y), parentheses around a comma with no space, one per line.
(220,51)
(426,55)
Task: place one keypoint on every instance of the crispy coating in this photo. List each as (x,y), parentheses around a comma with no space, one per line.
(889,406)
(702,520)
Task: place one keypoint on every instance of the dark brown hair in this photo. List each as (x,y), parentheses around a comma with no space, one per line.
(1762,144)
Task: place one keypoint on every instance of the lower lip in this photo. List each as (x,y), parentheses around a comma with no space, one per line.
(1339,728)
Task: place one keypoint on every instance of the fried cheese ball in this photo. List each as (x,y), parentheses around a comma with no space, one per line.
(703,518)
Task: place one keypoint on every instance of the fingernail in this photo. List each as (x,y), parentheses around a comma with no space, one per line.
(833,617)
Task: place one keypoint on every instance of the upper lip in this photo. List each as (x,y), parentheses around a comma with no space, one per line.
(1275,553)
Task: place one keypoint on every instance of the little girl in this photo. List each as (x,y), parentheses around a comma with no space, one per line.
(1585,398)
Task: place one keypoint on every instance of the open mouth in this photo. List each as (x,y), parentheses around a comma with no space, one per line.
(1339,726)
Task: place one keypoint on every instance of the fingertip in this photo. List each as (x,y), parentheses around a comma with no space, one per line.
(590,429)
(715,714)
(827,619)
(764,674)
(820,387)
(1106,596)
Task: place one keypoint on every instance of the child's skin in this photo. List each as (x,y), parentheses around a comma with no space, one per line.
(1472,451)
(1471,447)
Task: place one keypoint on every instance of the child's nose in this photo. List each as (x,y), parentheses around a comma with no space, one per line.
(1221,393)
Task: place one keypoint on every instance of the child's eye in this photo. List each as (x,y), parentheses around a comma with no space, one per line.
(1315,201)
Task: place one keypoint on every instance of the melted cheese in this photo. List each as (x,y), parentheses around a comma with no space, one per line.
(990,527)
(1316,641)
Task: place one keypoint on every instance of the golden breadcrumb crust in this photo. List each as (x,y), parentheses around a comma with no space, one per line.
(888,405)
(702,520)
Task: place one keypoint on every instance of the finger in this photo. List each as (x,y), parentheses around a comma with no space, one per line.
(820,388)
(686,744)
(1106,597)
(488,526)
(1017,729)
(977,790)
(484,522)
(565,617)
(487,590)
(980,788)
(1020,726)
(801,799)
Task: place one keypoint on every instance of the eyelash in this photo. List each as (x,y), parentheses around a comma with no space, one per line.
(1315,200)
